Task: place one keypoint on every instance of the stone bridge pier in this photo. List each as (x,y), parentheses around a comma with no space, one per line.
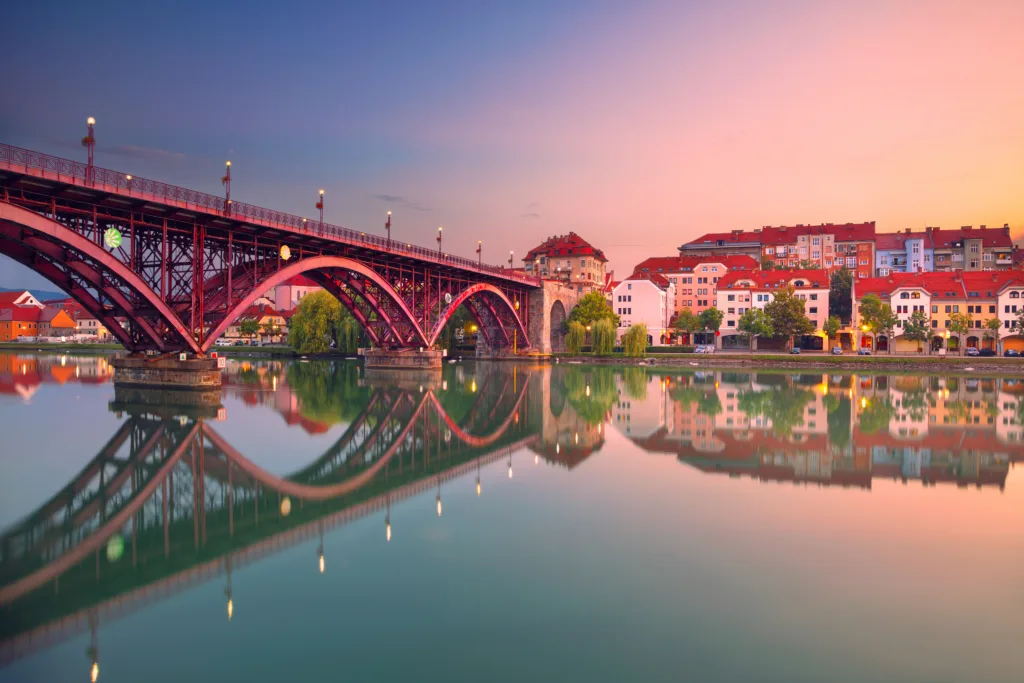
(549,309)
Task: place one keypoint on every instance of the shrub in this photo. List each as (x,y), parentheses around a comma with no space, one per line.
(574,337)
(672,349)
(634,341)
(603,333)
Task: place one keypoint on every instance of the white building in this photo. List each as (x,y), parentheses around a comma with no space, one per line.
(647,298)
(739,292)
(288,294)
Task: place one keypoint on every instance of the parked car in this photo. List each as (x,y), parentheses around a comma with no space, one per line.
(988,353)
(863,352)
(837,350)
(222,342)
(1011,353)
(795,350)
(972,352)
(240,342)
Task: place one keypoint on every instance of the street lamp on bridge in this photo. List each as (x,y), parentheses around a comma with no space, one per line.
(439,229)
(320,205)
(479,252)
(89,142)
(510,259)
(226,180)
(387,226)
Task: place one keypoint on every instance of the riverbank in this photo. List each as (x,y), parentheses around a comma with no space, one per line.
(102,348)
(996,365)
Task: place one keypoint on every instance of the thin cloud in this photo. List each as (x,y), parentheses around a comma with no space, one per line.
(401,202)
(530,214)
(531,211)
(146,153)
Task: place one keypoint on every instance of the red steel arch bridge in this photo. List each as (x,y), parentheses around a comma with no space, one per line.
(189,263)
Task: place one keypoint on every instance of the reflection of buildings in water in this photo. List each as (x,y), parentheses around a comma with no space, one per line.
(839,429)
(640,412)
(566,438)
(22,374)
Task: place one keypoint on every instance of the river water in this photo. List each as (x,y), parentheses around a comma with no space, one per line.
(508,522)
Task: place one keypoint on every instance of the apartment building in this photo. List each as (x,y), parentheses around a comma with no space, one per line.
(718,243)
(647,298)
(981,295)
(828,246)
(570,259)
(696,277)
(740,291)
(971,249)
(904,252)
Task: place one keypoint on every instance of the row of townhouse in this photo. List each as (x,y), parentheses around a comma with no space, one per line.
(864,251)
(981,295)
(739,292)
(661,287)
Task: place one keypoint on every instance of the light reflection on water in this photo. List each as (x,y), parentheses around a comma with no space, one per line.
(593,522)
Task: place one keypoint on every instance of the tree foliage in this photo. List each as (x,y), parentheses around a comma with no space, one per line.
(784,406)
(319,324)
(878,317)
(755,323)
(634,341)
(918,328)
(832,326)
(603,336)
(687,321)
(591,308)
(840,301)
(575,337)
(767,264)
(711,319)
(786,312)
(960,324)
(992,327)
(249,327)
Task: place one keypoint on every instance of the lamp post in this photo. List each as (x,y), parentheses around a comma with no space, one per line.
(227,188)
(320,205)
(510,259)
(439,229)
(89,142)
(479,253)
(387,226)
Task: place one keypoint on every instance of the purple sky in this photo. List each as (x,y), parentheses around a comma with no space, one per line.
(638,125)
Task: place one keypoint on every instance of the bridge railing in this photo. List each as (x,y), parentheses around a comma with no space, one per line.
(14,157)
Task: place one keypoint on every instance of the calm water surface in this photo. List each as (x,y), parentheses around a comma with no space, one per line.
(510,523)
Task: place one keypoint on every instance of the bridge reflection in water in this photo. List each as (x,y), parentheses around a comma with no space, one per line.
(169,503)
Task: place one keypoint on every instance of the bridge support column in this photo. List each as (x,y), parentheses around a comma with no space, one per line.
(194,374)
(408,359)
(549,307)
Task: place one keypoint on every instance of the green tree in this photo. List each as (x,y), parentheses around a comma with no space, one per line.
(767,264)
(886,323)
(786,312)
(755,323)
(603,334)
(270,330)
(960,324)
(877,318)
(348,335)
(832,327)
(1019,322)
(687,321)
(575,337)
(918,328)
(313,328)
(807,265)
(249,327)
(992,327)
(711,319)
(591,308)
(634,341)
(840,301)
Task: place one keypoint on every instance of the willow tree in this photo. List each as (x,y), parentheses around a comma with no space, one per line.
(603,335)
(634,341)
(575,337)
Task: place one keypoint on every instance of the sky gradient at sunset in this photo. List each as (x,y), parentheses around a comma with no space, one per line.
(638,125)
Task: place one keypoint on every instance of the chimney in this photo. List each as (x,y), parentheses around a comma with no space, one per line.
(908,231)
(983,227)
(1006,228)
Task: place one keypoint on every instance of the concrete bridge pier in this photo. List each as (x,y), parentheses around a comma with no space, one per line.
(549,308)
(192,374)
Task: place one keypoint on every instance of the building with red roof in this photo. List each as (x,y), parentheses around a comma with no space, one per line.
(741,291)
(724,243)
(696,276)
(830,246)
(570,259)
(970,248)
(648,298)
(22,299)
(289,293)
(981,295)
(19,321)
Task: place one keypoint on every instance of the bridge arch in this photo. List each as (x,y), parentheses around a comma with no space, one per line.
(489,305)
(334,274)
(80,267)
